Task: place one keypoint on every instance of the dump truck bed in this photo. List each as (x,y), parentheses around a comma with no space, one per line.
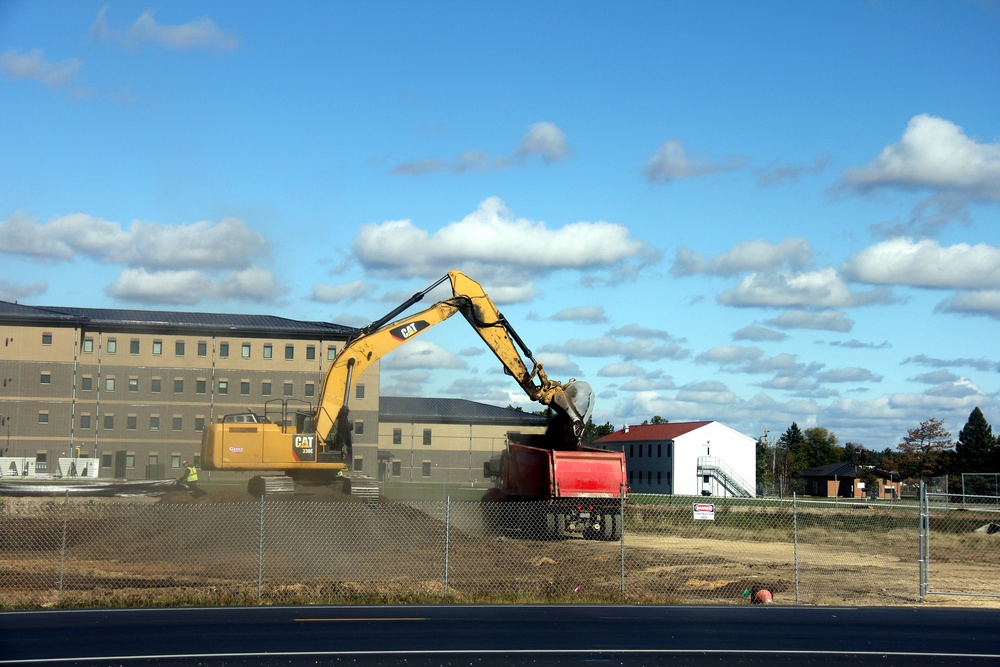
(535,473)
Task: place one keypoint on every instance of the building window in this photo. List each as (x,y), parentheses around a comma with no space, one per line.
(46,378)
(640,451)
(131,422)
(157,347)
(331,353)
(397,436)
(359,391)
(265,388)
(397,468)
(112,345)
(631,451)
(359,427)
(199,423)
(310,352)
(177,423)
(106,460)
(200,386)
(359,464)
(630,477)
(179,348)
(289,352)
(659,450)
(202,348)
(84,422)
(223,350)
(133,346)
(133,384)
(245,388)
(86,383)
(659,477)
(43,417)
(154,385)
(223,386)
(649,450)
(425,469)
(288,389)
(268,353)
(154,423)
(109,384)
(109,422)
(310,389)
(175,461)
(46,338)
(178,385)
(153,459)
(246,350)
(427,437)
(130,461)
(88,345)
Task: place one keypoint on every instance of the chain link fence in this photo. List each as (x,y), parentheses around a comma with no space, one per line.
(109,552)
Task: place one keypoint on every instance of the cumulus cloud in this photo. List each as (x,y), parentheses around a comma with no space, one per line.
(637,331)
(586,314)
(352,291)
(933,154)
(755,255)
(421,354)
(557,364)
(544,140)
(11,291)
(849,375)
(34,67)
(619,369)
(189,286)
(756,332)
(496,247)
(228,244)
(809,319)
(926,263)
(671,162)
(812,289)
(980,302)
(199,33)
(607,346)
(934,362)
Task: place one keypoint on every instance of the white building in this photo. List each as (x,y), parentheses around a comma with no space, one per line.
(703,458)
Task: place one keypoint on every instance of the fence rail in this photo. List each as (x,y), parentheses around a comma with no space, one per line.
(100,551)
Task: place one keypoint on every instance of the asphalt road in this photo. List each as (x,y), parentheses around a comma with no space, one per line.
(503,635)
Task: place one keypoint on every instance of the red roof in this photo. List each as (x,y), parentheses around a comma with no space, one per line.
(646,432)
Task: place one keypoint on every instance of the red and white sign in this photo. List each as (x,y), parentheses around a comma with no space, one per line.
(704,512)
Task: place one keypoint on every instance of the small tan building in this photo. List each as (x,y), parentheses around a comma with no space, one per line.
(842,480)
(445,440)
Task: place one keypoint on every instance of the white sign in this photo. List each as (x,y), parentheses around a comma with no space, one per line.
(704,512)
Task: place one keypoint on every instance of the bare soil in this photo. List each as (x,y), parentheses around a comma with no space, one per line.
(224,549)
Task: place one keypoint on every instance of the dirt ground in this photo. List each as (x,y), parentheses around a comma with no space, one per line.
(227,549)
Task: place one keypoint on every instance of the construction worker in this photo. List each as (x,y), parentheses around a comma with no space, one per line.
(187,480)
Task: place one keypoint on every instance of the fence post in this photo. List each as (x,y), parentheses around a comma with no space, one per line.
(260,549)
(922,542)
(447,539)
(62,548)
(621,523)
(795,542)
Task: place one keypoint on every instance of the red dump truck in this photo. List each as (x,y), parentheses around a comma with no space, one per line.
(541,492)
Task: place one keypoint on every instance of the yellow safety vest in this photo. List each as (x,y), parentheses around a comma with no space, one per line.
(192,474)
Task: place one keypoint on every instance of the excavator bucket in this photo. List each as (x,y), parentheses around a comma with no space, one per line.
(577,401)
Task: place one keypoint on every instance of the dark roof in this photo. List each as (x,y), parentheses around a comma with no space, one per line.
(645,432)
(452,411)
(845,469)
(120,318)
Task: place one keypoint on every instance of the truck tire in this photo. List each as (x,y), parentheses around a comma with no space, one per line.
(550,526)
(617,532)
(560,526)
(607,527)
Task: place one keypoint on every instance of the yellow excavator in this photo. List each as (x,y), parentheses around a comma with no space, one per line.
(313,448)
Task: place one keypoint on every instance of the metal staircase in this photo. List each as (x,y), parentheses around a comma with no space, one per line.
(736,485)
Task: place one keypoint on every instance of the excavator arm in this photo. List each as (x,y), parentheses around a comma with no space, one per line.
(572,401)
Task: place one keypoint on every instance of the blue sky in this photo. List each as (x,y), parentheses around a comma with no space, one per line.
(752,212)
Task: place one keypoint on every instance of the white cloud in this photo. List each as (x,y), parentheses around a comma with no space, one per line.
(545,140)
(606,346)
(188,286)
(352,291)
(496,247)
(813,289)
(35,67)
(755,255)
(587,314)
(980,302)
(637,331)
(200,33)
(620,369)
(849,375)
(11,291)
(758,333)
(925,263)
(670,162)
(933,154)
(211,246)
(808,319)
(557,365)
(421,354)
